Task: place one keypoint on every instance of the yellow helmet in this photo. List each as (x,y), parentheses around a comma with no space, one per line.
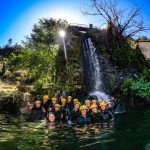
(75,100)
(103,104)
(45,97)
(36,102)
(93,106)
(99,100)
(87,101)
(54,99)
(83,107)
(94,100)
(63,100)
(78,103)
(69,97)
(57,105)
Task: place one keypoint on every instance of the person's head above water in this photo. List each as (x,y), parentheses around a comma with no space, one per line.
(54,100)
(51,117)
(109,104)
(63,101)
(37,103)
(75,100)
(69,99)
(94,108)
(83,109)
(103,106)
(57,107)
(88,103)
(77,105)
(45,98)
(94,102)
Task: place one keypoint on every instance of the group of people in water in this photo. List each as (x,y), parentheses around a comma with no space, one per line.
(71,111)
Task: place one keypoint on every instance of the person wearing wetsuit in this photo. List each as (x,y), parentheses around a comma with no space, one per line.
(37,112)
(94,102)
(95,114)
(75,100)
(52,104)
(45,104)
(70,103)
(84,119)
(88,104)
(75,113)
(105,114)
(65,113)
(51,120)
(57,112)
(99,103)
(110,107)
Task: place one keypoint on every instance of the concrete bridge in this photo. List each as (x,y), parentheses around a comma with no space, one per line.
(80,27)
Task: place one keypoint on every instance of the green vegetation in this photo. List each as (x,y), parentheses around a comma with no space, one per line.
(41,61)
(138,88)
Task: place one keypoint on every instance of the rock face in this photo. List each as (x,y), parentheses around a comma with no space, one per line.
(98,70)
(112,76)
(10,104)
(10,98)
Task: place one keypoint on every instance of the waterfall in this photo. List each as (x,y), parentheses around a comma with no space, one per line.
(93,73)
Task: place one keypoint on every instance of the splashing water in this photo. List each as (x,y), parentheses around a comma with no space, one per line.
(99,95)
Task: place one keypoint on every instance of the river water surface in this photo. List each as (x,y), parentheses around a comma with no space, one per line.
(129,131)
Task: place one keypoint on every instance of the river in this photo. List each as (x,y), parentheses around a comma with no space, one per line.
(129,131)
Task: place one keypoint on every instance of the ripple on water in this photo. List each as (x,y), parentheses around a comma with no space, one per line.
(127,132)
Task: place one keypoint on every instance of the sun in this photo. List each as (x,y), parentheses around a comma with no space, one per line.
(70,15)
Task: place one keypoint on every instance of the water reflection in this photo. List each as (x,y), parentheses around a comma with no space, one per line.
(126,132)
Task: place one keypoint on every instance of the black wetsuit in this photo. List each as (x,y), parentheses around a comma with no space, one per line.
(106,115)
(74,115)
(51,106)
(57,114)
(96,117)
(46,107)
(111,110)
(70,106)
(36,114)
(65,113)
(82,121)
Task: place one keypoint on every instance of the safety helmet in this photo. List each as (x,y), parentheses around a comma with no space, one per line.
(69,97)
(103,104)
(57,105)
(63,100)
(54,99)
(45,97)
(75,100)
(78,103)
(87,101)
(83,107)
(93,106)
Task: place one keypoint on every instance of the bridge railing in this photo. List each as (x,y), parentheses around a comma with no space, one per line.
(79,25)
(83,25)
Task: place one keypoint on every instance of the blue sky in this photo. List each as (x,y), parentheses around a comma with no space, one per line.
(18,16)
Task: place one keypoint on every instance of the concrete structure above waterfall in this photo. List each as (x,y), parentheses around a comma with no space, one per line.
(81,27)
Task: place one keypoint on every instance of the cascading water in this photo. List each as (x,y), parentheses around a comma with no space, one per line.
(93,74)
